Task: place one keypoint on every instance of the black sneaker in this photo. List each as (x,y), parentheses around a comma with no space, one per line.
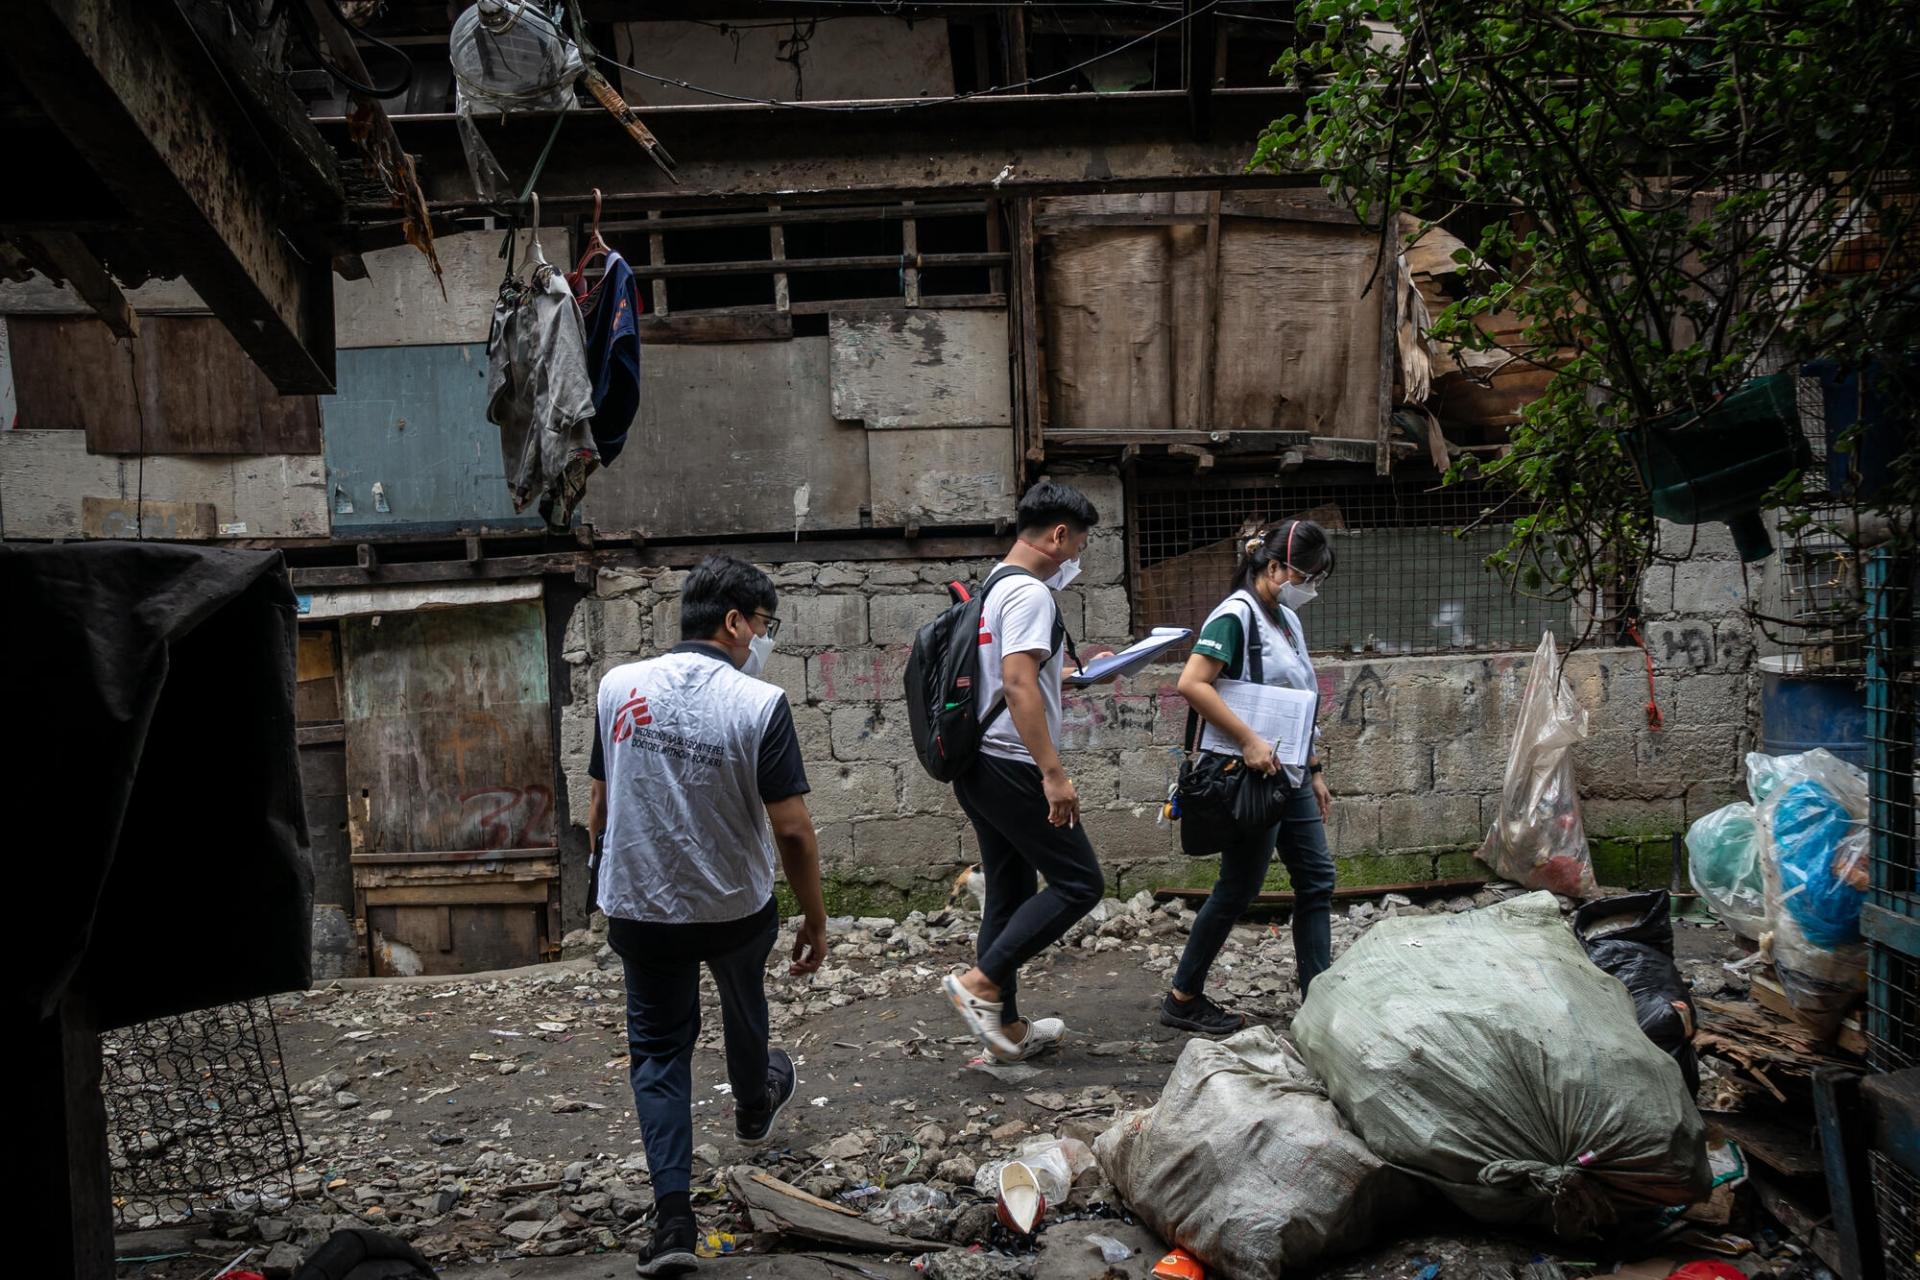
(670,1252)
(1199,1014)
(754,1126)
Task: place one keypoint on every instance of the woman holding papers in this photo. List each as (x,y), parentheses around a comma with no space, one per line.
(1280,570)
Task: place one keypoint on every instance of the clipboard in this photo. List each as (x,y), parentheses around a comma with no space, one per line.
(1131,658)
(1284,717)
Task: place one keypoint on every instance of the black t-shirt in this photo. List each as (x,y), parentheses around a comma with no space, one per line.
(782,772)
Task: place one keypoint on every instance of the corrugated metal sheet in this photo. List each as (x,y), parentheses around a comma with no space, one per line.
(413,420)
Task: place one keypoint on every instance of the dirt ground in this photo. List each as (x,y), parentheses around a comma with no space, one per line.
(490,1120)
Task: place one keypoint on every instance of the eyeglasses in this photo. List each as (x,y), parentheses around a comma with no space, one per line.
(773,624)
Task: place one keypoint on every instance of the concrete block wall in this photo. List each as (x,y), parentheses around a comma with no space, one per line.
(1415,746)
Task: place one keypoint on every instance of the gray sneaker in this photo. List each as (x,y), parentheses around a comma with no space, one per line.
(755,1126)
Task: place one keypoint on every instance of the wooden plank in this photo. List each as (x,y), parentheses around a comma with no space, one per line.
(449,938)
(777,249)
(857,306)
(921,369)
(68,254)
(852,262)
(427,860)
(399,304)
(696,326)
(910,252)
(740,154)
(413,420)
(776,1208)
(680,555)
(382,596)
(657,255)
(960,475)
(1789,1152)
(1210,313)
(486,891)
(163,521)
(780,215)
(449,736)
(140,105)
(1849,1177)
(1386,290)
(770,457)
(1026,351)
(311,735)
(1299,345)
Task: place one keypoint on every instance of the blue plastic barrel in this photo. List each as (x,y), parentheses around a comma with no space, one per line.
(1799,712)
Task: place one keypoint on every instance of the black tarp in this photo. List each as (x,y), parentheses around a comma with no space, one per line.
(155,783)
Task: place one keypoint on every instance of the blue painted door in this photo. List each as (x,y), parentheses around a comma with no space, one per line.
(413,420)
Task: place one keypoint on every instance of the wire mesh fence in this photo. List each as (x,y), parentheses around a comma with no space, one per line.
(198,1114)
(1893,732)
(1406,581)
(1896,1195)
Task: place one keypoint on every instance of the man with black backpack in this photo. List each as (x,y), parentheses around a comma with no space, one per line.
(989,721)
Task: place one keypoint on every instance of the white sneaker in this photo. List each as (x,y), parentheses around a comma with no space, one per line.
(982,1018)
(1042,1035)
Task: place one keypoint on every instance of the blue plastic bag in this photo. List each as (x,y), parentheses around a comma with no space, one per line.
(1819,881)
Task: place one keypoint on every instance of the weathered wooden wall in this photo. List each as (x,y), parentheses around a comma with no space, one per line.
(46,475)
(447,728)
(183,386)
(1182,312)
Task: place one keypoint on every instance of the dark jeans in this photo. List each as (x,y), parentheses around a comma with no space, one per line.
(662,963)
(1301,839)
(1008,808)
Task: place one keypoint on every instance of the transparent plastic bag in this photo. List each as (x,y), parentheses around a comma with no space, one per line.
(1055,1162)
(1723,860)
(1537,838)
(1816,871)
(916,1209)
(507,55)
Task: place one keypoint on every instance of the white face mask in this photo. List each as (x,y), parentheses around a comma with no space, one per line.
(1295,596)
(1066,573)
(759,649)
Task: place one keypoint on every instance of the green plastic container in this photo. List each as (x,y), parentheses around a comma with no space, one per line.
(1719,465)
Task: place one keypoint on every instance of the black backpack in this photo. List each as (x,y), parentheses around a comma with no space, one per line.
(940,673)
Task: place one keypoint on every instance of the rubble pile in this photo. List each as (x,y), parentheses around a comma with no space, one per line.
(488,1119)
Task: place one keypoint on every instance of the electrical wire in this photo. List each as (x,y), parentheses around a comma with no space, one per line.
(912,103)
(311,40)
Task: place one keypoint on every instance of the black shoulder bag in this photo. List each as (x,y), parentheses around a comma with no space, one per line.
(1221,800)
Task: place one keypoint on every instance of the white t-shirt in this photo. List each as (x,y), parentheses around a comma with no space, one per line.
(1018,618)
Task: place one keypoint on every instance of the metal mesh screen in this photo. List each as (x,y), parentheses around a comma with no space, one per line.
(197,1108)
(1893,731)
(1822,586)
(1896,1196)
(1405,580)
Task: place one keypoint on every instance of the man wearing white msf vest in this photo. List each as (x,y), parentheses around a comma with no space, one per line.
(697,781)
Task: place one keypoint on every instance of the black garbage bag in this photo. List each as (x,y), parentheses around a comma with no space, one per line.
(1631,937)
(358,1254)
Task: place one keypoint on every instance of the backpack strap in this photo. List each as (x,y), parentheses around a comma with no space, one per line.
(1060,633)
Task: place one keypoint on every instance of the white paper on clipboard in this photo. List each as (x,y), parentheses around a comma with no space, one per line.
(1283,717)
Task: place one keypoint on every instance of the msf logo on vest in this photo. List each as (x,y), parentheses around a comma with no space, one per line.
(633,714)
